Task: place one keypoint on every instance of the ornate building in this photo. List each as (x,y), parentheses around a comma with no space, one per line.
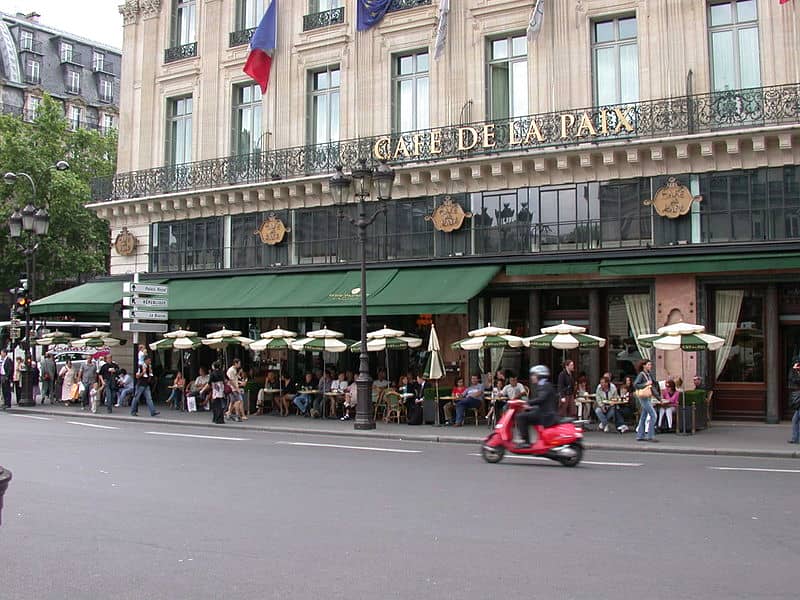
(634,165)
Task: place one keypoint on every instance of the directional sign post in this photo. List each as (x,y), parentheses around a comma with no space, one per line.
(137,314)
(141,300)
(144,302)
(145,288)
(145,327)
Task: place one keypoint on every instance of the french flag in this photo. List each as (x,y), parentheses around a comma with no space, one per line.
(262,47)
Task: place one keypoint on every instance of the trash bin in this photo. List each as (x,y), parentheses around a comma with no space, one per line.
(25,398)
(5,478)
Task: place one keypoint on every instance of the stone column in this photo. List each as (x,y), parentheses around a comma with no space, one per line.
(772,350)
(593,368)
(534,326)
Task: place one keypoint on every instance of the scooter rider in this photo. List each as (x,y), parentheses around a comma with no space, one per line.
(543,405)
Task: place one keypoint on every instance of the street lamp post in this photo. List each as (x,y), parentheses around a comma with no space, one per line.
(360,183)
(27,228)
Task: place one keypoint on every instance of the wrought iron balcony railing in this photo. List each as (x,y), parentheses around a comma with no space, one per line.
(241,37)
(325,18)
(72,58)
(180,52)
(716,111)
(404,4)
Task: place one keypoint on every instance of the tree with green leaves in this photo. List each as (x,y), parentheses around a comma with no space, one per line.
(77,245)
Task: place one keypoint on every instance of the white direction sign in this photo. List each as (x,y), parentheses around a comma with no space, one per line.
(142,302)
(145,288)
(145,327)
(144,315)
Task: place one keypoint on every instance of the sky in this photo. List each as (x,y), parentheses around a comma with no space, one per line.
(97,20)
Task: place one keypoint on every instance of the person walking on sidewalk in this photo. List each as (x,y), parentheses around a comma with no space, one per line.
(144,377)
(216,388)
(794,402)
(6,375)
(566,390)
(108,379)
(646,389)
(48,372)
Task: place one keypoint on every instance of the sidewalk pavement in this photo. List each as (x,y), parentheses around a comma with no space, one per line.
(723,438)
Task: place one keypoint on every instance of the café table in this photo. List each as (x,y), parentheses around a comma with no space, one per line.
(271,393)
(333,397)
(585,402)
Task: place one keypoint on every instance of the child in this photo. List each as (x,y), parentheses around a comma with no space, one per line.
(93,396)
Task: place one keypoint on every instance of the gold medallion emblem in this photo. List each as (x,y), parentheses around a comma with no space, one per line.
(272,231)
(126,243)
(448,216)
(673,200)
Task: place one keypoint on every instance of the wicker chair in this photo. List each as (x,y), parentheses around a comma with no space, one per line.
(395,408)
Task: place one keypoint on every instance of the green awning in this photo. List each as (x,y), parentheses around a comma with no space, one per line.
(554,268)
(712,263)
(328,294)
(94,298)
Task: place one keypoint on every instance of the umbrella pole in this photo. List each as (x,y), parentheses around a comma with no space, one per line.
(438,422)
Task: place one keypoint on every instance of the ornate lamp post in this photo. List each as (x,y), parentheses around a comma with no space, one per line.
(27,228)
(360,183)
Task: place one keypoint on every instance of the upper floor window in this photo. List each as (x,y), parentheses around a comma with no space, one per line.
(108,122)
(508,77)
(106,91)
(248,13)
(98,61)
(410,90)
(26,40)
(318,6)
(74,117)
(32,107)
(324,106)
(615,55)
(179,130)
(735,57)
(183,22)
(33,71)
(67,52)
(246,118)
(74,82)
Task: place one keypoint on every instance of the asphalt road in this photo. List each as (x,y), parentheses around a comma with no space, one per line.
(142,510)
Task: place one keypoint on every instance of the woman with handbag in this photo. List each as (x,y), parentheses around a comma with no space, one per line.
(646,389)
(794,402)
(69,387)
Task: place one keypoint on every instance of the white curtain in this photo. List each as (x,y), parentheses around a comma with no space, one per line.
(638,308)
(727,304)
(500,309)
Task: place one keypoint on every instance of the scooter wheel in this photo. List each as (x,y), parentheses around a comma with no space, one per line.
(493,454)
(575,458)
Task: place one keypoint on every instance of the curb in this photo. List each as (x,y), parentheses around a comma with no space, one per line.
(443,439)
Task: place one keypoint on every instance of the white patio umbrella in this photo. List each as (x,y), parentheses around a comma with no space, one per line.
(388,339)
(275,339)
(95,334)
(322,340)
(488,337)
(564,337)
(434,366)
(54,337)
(96,342)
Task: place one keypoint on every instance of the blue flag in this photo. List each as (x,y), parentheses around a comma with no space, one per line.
(371,12)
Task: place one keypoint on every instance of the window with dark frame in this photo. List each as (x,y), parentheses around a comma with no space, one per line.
(615,61)
(507,77)
(410,91)
(734,45)
(323,105)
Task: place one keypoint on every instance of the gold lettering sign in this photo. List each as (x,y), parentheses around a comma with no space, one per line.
(448,216)
(673,200)
(126,243)
(272,231)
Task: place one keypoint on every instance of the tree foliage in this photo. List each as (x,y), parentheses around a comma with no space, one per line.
(77,245)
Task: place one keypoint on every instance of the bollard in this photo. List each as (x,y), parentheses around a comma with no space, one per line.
(5,478)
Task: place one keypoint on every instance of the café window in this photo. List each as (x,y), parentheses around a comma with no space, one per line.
(410,91)
(179,130)
(321,237)
(246,118)
(508,77)
(247,249)
(615,57)
(739,319)
(323,105)
(194,245)
(734,45)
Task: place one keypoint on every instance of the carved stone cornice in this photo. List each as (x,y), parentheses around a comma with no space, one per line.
(150,8)
(129,11)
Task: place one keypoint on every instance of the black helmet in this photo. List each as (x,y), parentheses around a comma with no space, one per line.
(540,371)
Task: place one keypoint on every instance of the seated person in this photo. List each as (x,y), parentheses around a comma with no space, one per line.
(270,383)
(449,407)
(350,401)
(303,400)
(513,390)
(288,392)
(698,383)
(471,398)
(318,403)
(178,387)
(605,394)
(669,401)
(379,385)
(200,388)
(124,388)
(414,414)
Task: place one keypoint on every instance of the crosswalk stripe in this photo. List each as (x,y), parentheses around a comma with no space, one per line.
(202,437)
(95,426)
(368,448)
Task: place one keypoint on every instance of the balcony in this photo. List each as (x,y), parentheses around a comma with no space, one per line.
(32,46)
(33,78)
(241,37)
(180,52)
(104,68)
(325,18)
(404,4)
(71,58)
(599,126)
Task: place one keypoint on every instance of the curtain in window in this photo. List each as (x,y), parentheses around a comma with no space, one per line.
(638,308)
(727,304)
(500,310)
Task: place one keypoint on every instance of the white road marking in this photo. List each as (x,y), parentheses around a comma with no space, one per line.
(754,469)
(395,450)
(583,462)
(202,437)
(91,425)
(31,417)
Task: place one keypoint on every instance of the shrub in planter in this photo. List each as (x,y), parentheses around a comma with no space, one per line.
(696,399)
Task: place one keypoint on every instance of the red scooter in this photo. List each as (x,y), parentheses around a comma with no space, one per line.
(563,442)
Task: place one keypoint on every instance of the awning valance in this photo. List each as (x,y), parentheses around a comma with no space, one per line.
(94,298)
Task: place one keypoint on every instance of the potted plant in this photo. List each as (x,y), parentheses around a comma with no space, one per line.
(692,410)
